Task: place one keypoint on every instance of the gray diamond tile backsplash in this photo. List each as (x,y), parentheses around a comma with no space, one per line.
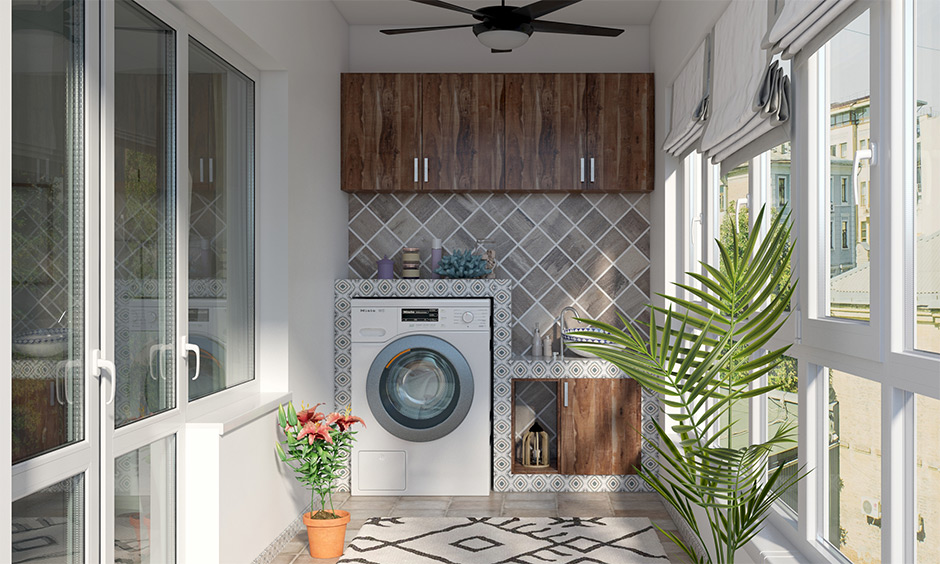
(586,250)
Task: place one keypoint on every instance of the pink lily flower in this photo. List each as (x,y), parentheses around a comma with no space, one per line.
(310,414)
(315,430)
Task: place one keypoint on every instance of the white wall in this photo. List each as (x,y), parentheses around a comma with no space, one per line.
(458,50)
(301,48)
(308,40)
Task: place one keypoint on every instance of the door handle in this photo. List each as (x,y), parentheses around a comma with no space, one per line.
(211,168)
(186,347)
(425,169)
(582,169)
(66,366)
(566,394)
(592,169)
(202,170)
(866,154)
(416,169)
(159,348)
(97,365)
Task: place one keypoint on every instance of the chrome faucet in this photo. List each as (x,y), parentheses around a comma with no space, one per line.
(564,326)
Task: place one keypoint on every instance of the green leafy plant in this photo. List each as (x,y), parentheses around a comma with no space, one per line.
(316,447)
(703,356)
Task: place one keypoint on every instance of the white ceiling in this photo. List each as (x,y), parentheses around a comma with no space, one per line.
(406,13)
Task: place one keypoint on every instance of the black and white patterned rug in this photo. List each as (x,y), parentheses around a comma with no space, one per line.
(505,540)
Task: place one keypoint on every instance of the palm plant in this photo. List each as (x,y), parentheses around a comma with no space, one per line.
(703,356)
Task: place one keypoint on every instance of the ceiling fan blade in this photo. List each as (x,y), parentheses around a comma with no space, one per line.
(575,29)
(417,29)
(449,6)
(544,7)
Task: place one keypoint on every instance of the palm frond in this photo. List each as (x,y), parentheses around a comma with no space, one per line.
(702,357)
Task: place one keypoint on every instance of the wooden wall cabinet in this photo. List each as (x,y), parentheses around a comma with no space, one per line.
(203,160)
(381,138)
(599,426)
(422,132)
(537,132)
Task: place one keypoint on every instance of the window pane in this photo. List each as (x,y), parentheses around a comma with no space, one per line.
(144,211)
(145,504)
(927,181)
(783,409)
(49,525)
(927,479)
(221,234)
(47,200)
(694,221)
(848,90)
(734,224)
(733,207)
(855,467)
(778,198)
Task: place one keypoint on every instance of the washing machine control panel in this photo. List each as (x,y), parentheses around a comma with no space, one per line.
(445,318)
(379,320)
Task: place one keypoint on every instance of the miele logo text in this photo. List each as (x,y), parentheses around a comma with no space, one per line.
(367,310)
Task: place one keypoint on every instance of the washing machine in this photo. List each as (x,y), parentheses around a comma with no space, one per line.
(422,380)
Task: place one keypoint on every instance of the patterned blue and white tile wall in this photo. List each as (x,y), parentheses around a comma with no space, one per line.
(505,368)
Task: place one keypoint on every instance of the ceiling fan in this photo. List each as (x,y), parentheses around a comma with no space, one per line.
(503,28)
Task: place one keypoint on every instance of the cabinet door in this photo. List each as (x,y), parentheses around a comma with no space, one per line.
(599,427)
(616,117)
(542,145)
(202,117)
(380,133)
(462,131)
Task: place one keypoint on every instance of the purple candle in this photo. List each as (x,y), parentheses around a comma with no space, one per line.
(386,268)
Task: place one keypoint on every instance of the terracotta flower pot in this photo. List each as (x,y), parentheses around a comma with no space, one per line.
(327,536)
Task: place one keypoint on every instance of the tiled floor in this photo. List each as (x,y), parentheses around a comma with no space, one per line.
(497,504)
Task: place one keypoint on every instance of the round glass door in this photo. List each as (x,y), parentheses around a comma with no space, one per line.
(419,388)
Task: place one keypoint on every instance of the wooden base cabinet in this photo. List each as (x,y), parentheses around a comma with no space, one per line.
(599,426)
(594,424)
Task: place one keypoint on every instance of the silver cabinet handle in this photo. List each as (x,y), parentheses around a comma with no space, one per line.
(566,394)
(212,175)
(425,169)
(582,169)
(202,170)
(592,169)
(416,169)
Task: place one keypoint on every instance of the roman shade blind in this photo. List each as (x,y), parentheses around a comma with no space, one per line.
(802,21)
(750,98)
(689,102)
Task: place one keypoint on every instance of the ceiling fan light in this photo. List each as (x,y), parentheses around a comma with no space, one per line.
(503,39)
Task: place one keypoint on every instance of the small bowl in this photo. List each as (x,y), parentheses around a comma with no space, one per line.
(42,343)
(572,339)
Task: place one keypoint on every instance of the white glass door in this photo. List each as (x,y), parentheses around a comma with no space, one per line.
(54,404)
(140,325)
(94,276)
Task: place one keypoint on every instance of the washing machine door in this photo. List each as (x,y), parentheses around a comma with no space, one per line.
(419,388)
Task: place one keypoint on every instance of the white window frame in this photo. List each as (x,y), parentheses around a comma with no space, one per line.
(881,350)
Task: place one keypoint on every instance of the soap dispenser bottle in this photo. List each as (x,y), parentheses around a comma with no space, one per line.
(536,342)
